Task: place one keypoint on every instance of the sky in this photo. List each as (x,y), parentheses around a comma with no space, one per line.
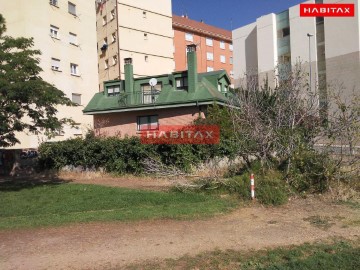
(230,14)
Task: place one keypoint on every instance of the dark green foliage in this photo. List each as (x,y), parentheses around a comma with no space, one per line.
(121,155)
(23,93)
(310,171)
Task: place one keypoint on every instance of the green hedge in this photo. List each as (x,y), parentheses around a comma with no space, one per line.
(124,155)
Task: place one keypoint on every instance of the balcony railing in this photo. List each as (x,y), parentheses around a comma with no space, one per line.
(138,98)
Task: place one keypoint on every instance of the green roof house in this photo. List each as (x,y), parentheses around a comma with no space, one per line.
(129,106)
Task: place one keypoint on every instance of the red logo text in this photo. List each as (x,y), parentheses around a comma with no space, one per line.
(172,134)
(327,10)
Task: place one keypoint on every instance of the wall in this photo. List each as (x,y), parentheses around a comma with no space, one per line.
(125,123)
(152,55)
(245,53)
(267,49)
(33,19)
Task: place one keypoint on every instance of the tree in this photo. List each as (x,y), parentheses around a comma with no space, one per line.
(275,122)
(27,102)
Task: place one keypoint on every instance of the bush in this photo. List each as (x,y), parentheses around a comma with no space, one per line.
(122,155)
(310,171)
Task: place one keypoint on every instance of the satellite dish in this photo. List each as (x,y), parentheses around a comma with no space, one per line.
(153,82)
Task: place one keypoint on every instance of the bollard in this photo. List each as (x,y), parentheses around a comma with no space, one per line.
(252,183)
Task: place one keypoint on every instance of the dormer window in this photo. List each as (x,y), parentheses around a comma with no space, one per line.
(181,83)
(113,91)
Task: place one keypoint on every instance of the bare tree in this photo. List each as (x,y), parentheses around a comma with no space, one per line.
(271,122)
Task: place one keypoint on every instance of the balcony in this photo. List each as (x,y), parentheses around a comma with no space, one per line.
(138,98)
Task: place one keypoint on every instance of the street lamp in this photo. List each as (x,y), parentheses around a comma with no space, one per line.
(309,36)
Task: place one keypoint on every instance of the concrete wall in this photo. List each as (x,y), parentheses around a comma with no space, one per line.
(33,19)
(342,46)
(125,123)
(299,41)
(245,53)
(267,48)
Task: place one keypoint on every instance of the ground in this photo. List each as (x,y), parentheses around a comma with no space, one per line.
(116,244)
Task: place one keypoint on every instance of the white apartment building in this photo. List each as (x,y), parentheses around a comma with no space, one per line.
(65,33)
(331,44)
(137,29)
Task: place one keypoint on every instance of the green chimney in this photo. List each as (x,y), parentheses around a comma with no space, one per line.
(129,79)
(192,68)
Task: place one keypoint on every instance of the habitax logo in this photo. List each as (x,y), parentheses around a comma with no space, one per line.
(172,134)
(327,10)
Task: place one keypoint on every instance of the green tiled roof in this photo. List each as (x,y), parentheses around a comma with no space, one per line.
(206,93)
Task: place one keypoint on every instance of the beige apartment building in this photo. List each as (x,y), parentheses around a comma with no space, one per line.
(65,33)
(137,29)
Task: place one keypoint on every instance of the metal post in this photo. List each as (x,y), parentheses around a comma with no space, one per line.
(309,36)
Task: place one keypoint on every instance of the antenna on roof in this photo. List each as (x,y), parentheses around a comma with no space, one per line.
(184,10)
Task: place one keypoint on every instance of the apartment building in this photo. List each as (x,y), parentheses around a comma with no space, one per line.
(137,29)
(65,33)
(214,45)
(328,48)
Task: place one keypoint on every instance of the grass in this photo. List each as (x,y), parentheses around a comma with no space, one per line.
(57,204)
(322,222)
(332,255)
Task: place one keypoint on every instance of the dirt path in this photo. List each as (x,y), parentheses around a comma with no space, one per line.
(109,245)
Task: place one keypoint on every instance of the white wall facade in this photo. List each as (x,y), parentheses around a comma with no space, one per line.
(33,19)
(342,46)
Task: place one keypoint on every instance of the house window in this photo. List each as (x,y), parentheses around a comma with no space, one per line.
(74,69)
(114,60)
(231,60)
(104,20)
(144,14)
(54,2)
(149,122)
(76,98)
(209,69)
(54,31)
(73,39)
(231,74)
(145,36)
(222,45)
(106,64)
(55,64)
(219,87)
(113,37)
(209,56)
(222,59)
(113,91)
(182,83)
(112,15)
(231,47)
(72,8)
(189,37)
(209,41)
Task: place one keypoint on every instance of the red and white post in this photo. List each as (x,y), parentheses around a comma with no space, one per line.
(252,183)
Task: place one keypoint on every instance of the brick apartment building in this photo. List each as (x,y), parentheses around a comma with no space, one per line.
(130,106)
(214,45)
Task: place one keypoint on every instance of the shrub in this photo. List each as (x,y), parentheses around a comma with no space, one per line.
(122,155)
(310,171)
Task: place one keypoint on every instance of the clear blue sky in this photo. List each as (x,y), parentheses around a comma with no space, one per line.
(220,12)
